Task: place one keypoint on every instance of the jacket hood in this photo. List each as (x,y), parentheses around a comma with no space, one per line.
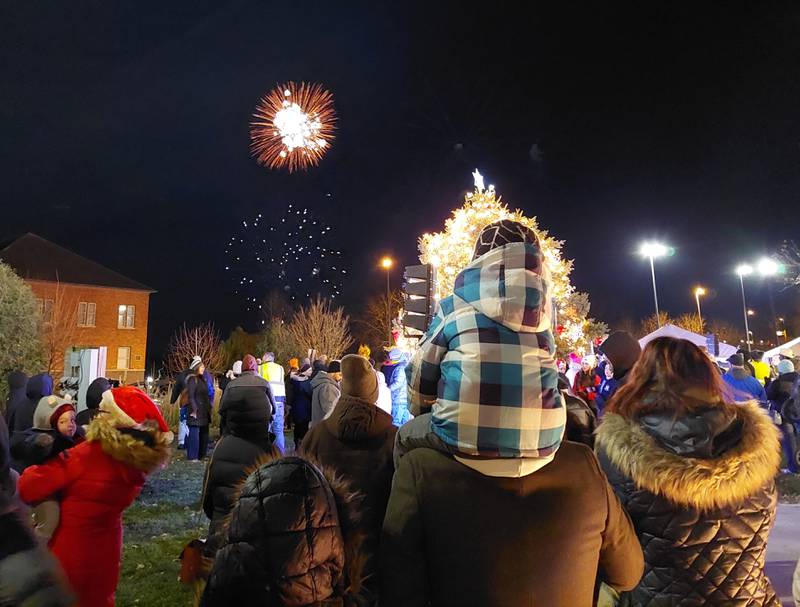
(17,380)
(705,483)
(322,378)
(39,386)
(706,434)
(511,286)
(355,419)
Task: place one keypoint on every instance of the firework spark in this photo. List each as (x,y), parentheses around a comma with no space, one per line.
(294,254)
(293,126)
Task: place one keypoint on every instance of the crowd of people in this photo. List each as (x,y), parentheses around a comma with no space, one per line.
(479,471)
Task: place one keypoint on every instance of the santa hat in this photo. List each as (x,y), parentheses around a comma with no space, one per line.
(130,407)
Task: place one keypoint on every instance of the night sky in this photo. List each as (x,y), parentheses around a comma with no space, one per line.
(125,137)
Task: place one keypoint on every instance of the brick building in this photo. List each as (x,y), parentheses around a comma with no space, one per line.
(92,305)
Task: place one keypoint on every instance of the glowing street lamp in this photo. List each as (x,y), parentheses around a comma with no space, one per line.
(652,250)
(386,264)
(697,293)
(745,270)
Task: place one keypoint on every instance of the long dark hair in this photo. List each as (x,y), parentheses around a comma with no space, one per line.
(669,372)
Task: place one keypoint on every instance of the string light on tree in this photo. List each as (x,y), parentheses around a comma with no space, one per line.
(293,126)
(450,251)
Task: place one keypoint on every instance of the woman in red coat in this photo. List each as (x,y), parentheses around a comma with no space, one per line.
(94,483)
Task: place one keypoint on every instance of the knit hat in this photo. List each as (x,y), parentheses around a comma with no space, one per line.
(131,407)
(294,363)
(249,363)
(237,367)
(364,350)
(335,366)
(785,366)
(46,408)
(358,378)
(737,360)
(94,393)
(196,362)
(501,233)
(60,410)
(622,350)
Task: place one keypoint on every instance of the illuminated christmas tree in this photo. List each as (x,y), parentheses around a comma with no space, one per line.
(451,251)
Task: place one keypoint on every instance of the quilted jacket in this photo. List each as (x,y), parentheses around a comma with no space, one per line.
(701,495)
(293,538)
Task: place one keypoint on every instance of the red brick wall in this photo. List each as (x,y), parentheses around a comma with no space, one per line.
(105,332)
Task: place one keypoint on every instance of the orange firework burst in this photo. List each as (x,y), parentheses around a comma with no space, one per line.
(293,126)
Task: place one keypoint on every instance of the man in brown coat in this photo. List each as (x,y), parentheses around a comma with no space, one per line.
(356,441)
(457,536)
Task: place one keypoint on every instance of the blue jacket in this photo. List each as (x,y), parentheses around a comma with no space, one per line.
(743,386)
(606,391)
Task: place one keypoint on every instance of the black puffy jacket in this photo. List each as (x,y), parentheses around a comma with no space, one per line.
(246,406)
(701,494)
(288,541)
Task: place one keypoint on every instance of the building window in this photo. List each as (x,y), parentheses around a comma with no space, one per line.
(127,317)
(87,312)
(123,358)
(46,310)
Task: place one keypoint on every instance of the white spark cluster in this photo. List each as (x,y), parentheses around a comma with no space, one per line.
(296,128)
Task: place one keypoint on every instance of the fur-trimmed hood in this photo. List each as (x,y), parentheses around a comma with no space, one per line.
(348,510)
(702,483)
(143,446)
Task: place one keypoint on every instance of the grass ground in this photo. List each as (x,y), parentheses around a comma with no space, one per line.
(164,518)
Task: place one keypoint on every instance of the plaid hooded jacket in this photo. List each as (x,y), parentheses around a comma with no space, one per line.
(492,348)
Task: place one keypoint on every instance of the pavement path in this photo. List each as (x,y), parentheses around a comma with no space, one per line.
(783,550)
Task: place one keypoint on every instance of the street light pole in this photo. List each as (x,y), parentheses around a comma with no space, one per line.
(742,271)
(651,250)
(655,291)
(697,293)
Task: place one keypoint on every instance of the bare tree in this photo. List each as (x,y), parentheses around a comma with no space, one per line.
(691,322)
(319,328)
(202,341)
(275,306)
(59,328)
(376,320)
(651,323)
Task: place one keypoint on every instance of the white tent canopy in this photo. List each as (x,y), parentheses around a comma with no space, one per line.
(793,345)
(725,350)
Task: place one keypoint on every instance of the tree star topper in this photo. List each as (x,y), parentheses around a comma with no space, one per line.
(478,181)
(293,126)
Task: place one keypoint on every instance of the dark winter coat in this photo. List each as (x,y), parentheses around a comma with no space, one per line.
(357,441)
(581,420)
(29,575)
(95,481)
(453,536)
(38,386)
(17,382)
(780,390)
(34,447)
(245,411)
(300,397)
(290,541)
(179,385)
(246,407)
(199,407)
(701,493)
